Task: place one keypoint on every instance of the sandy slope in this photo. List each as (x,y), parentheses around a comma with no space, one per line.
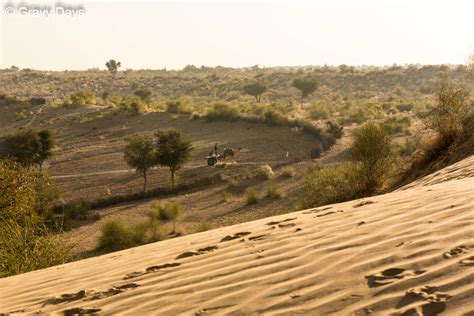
(410,251)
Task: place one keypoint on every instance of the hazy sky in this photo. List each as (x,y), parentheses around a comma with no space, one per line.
(172,34)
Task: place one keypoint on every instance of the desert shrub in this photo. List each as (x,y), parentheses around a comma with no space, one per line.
(115,235)
(357,115)
(330,184)
(76,210)
(404,107)
(134,105)
(251,196)
(37,101)
(452,109)
(25,243)
(203,226)
(225,196)
(82,97)
(273,117)
(265,172)
(334,129)
(274,191)
(28,247)
(167,212)
(139,233)
(223,111)
(397,124)
(318,111)
(177,107)
(372,151)
(316,151)
(288,172)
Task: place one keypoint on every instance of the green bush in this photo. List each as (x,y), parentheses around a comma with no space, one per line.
(274,191)
(29,247)
(372,150)
(203,226)
(25,242)
(225,196)
(223,111)
(166,212)
(251,196)
(116,235)
(330,185)
(288,172)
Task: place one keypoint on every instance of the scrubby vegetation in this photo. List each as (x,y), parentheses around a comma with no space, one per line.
(26,244)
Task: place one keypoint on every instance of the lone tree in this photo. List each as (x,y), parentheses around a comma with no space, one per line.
(373,152)
(306,86)
(139,153)
(256,90)
(46,148)
(113,66)
(172,151)
(30,147)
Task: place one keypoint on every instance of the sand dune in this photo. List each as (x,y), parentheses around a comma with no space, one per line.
(409,252)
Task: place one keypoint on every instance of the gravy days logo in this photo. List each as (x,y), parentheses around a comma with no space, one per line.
(43,10)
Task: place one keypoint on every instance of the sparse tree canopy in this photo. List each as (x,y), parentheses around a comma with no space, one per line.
(30,147)
(139,154)
(306,86)
(256,90)
(173,151)
(113,66)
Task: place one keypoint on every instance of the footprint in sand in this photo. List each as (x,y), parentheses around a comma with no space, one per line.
(81,311)
(70,297)
(317,210)
(286,225)
(259,237)
(391,275)
(468,261)
(325,214)
(235,236)
(114,290)
(278,222)
(151,269)
(211,310)
(455,252)
(435,301)
(362,203)
(201,251)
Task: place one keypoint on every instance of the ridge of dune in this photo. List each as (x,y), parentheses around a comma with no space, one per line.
(408,252)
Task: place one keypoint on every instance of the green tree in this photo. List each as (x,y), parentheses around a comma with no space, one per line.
(173,151)
(372,150)
(256,90)
(46,148)
(307,86)
(113,66)
(139,153)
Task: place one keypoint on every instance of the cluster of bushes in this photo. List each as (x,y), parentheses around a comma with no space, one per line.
(117,234)
(82,97)
(372,157)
